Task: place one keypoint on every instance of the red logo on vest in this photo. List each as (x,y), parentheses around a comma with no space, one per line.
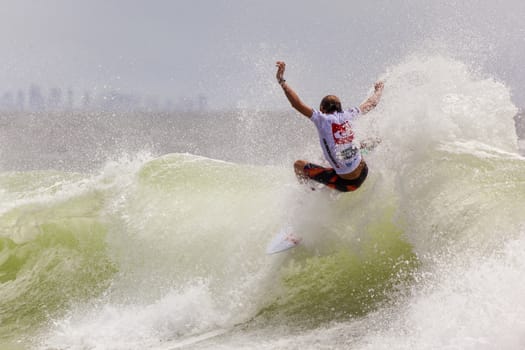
(342,133)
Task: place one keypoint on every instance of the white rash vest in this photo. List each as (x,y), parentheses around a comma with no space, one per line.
(336,138)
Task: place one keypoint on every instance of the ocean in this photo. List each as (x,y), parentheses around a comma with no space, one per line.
(125,231)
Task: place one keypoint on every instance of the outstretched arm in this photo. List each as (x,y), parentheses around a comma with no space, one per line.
(373,100)
(292,96)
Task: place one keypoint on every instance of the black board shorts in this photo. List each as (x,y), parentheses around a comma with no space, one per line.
(329,177)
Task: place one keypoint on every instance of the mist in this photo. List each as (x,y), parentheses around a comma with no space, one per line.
(225,50)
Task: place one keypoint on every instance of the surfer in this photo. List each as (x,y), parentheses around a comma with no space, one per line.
(334,125)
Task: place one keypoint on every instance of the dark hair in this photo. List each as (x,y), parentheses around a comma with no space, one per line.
(331,104)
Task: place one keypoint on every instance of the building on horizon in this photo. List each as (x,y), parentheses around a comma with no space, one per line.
(56,99)
(36,100)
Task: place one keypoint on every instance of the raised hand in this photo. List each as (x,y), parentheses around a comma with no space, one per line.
(280,71)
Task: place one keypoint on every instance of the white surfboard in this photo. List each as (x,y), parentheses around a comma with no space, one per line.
(284,240)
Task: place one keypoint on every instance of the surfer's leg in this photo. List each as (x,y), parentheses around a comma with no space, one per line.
(329,177)
(309,171)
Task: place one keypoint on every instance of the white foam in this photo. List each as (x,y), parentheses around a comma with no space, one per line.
(468,303)
(134,326)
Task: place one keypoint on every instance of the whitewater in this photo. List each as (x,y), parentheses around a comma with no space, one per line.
(156,240)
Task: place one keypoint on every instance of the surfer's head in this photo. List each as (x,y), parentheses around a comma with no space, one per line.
(330,104)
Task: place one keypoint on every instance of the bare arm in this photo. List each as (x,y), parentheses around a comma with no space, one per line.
(292,96)
(373,100)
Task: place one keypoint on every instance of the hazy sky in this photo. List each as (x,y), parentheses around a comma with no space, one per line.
(226,49)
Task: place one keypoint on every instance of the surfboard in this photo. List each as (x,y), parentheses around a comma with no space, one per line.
(284,240)
(191,340)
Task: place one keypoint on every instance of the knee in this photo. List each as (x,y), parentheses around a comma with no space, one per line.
(299,166)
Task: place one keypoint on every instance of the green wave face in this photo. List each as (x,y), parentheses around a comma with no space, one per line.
(51,255)
(349,282)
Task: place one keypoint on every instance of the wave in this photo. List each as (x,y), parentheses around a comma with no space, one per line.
(181,247)
(168,252)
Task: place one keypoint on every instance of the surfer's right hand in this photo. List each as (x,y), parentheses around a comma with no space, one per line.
(280,71)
